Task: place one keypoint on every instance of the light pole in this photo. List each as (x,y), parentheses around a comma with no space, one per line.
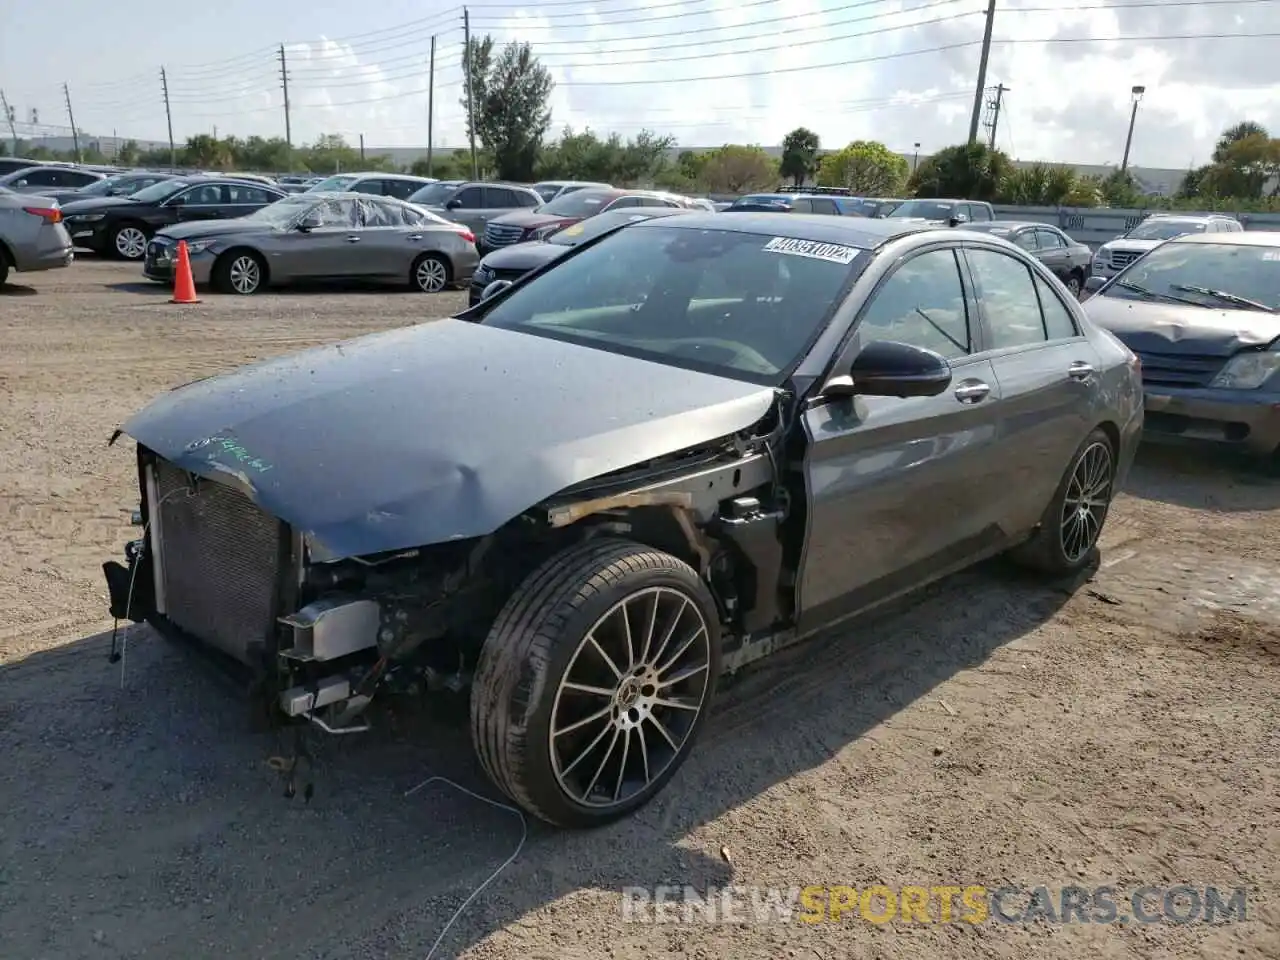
(1137,93)
(915,157)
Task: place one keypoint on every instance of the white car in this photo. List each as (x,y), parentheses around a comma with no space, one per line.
(1115,255)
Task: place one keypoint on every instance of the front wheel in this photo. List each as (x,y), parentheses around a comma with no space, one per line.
(1075,283)
(1067,539)
(594,681)
(430,273)
(240,272)
(129,242)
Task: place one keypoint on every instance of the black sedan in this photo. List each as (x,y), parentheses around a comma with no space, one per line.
(687,444)
(121,185)
(513,262)
(1068,259)
(121,226)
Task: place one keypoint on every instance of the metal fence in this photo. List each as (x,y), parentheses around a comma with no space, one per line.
(1094,226)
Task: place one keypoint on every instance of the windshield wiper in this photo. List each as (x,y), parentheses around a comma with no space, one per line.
(1153,295)
(1223,295)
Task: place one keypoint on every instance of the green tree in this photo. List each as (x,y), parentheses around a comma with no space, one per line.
(511,98)
(1243,130)
(799,155)
(866,167)
(738,169)
(972,171)
(128,154)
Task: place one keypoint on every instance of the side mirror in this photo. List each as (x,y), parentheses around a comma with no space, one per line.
(1094,284)
(453,204)
(177,201)
(310,222)
(20,183)
(886,368)
(493,289)
(958,219)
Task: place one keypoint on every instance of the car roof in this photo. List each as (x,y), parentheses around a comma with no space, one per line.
(861,232)
(1007,225)
(1245,238)
(1193,217)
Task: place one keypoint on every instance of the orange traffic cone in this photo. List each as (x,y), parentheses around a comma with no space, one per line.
(184,288)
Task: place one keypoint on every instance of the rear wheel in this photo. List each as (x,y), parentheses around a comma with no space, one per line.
(4,266)
(1067,538)
(595,681)
(1075,283)
(430,273)
(241,272)
(129,241)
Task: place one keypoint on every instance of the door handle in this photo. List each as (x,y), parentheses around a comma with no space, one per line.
(971,391)
(353,239)
(416,236)
(1080,371)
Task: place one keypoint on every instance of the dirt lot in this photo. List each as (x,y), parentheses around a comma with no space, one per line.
(996,732)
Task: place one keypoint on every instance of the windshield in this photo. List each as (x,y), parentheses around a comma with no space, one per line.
(573,235)
(580,203)
(927,209)
(755,199)
(282,211)
(434,194)
(1164,229)
(1248,271)
(739,305)
(337,184)
(546,190)
(159,191)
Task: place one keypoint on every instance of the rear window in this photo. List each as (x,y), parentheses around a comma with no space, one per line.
(1165,229)
(434,194)
(580,203)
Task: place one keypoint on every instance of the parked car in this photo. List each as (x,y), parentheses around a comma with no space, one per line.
(1202,312)
(121,185)
(42,179)
(548,190)
(10,165)
(319,236)
(398,185)
(475,204)
(121,226)
(1068,259)
(513,262)
(525,225)
(1114,255)
(951,213)
(833,205)
(590,495)
(702,203)
(32,236)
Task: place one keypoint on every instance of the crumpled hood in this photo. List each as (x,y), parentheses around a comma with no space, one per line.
(1174,328)
(193,229)
(437,432)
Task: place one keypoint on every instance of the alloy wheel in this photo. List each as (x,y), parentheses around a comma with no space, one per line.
(1087,500)
(431,275)
(1073,284)
(131,243)
(630,697)
(245,274)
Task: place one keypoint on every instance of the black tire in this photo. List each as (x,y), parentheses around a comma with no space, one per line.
(1075,283)
(430,273)
(124,245)
(229,275)
(1047,551)
(4,266)
(534,645)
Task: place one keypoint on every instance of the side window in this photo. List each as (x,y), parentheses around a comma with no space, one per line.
(1049,240)
(400,189)
(43,178)
(333,215)
(980,212)
(624,202)
(1058,324)
(1026,239)
(470,198)
(77,179)
(371,187)
(208,194)
(825,205)
(254,195)
(1009,299)
(922,303)
(529,199)
(802,205)
(381,214)
(499,198)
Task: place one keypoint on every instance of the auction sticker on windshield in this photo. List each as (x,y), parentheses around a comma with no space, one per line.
(833,252)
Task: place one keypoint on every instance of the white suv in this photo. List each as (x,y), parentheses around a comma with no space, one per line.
(1115,255)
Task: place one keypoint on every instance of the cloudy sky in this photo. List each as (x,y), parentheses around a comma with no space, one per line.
(705,71)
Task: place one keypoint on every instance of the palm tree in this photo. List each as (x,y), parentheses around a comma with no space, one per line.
(1234,134)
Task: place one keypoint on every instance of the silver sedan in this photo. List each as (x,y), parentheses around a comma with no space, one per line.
(320,237)
(32,236)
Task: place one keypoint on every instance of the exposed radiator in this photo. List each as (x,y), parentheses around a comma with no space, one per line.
(219,558)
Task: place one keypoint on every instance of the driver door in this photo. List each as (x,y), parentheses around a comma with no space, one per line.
(327,251)
(901,491)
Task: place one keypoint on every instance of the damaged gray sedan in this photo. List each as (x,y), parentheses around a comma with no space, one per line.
(679,448)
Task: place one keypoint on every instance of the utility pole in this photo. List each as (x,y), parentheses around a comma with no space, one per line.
(471,109)
(431,107)
(915,157)
(10,116)
(168,116)
(995,104)
(71,117)
(982,72)
(284,82)
(362,148)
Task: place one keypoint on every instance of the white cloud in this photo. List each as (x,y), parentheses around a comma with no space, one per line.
(1066,101)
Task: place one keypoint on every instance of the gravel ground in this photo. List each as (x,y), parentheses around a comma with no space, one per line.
(996,731)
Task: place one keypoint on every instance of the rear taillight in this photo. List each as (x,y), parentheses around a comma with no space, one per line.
(47,214)
(467,235)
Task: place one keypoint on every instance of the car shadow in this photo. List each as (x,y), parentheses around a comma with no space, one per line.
(16,290)
(142,782)
(1202,478)
(141,286)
